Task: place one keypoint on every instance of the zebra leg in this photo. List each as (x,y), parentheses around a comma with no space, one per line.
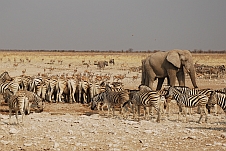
(158,114)
(184,109)
(10,115)
(146,112)
(59,96)
(201,114)
(22,115)
(151,111)
(179,113)
(198,110)
(215,110)
(17,116)
(206,114)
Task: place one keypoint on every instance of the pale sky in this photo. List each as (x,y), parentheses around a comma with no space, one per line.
(113,24)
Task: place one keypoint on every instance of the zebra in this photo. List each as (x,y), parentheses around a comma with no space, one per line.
(17,103)
(42,87)
(194,91)
(97,100)
(162,99)
(62,89)
(72,83)
(22,102)
(34,83)
(219,99)
(81,91)
(184,100)
(146,99)
(25,80)
(92,90)
(33,99)
(51,88)
(115,98)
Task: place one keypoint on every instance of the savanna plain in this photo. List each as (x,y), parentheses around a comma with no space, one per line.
(64,126)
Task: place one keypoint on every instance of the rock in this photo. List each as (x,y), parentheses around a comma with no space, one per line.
(13,131)
(5,142)
(27,144)
(56,145)
(223,135)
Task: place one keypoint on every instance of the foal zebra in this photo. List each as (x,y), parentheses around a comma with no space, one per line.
(184,100)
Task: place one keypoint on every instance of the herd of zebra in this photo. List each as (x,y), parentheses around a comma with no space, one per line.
(23,92)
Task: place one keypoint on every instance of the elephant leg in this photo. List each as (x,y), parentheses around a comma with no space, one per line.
(181,78)
(172,77)
(160,82)
(168,80)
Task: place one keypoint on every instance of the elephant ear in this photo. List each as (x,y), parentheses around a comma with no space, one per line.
(174,58)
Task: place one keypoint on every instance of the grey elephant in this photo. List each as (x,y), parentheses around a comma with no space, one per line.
(168,64)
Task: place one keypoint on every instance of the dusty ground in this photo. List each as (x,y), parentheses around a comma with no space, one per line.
(76,127)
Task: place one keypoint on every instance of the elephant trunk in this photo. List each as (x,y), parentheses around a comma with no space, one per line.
(192,75)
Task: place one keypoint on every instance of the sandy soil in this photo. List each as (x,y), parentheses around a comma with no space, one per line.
(76,127)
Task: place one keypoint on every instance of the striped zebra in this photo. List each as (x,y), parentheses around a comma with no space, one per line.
(184,100)
(93,89)
(25,80)
(194,91)
(51,89)
(41,89)
(33,100)
(22,102)
(219,99)
(115,98)
(146,99)
(72,84)
(62,90)
(98,100)
(17,103)
(82,92)
(35,81)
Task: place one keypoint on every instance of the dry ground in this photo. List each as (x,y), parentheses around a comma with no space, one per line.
(76,127)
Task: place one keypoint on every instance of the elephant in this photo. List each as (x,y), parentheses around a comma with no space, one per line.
(168,64)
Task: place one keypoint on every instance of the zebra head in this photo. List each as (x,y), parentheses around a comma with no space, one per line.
(94,102)
(5,76)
